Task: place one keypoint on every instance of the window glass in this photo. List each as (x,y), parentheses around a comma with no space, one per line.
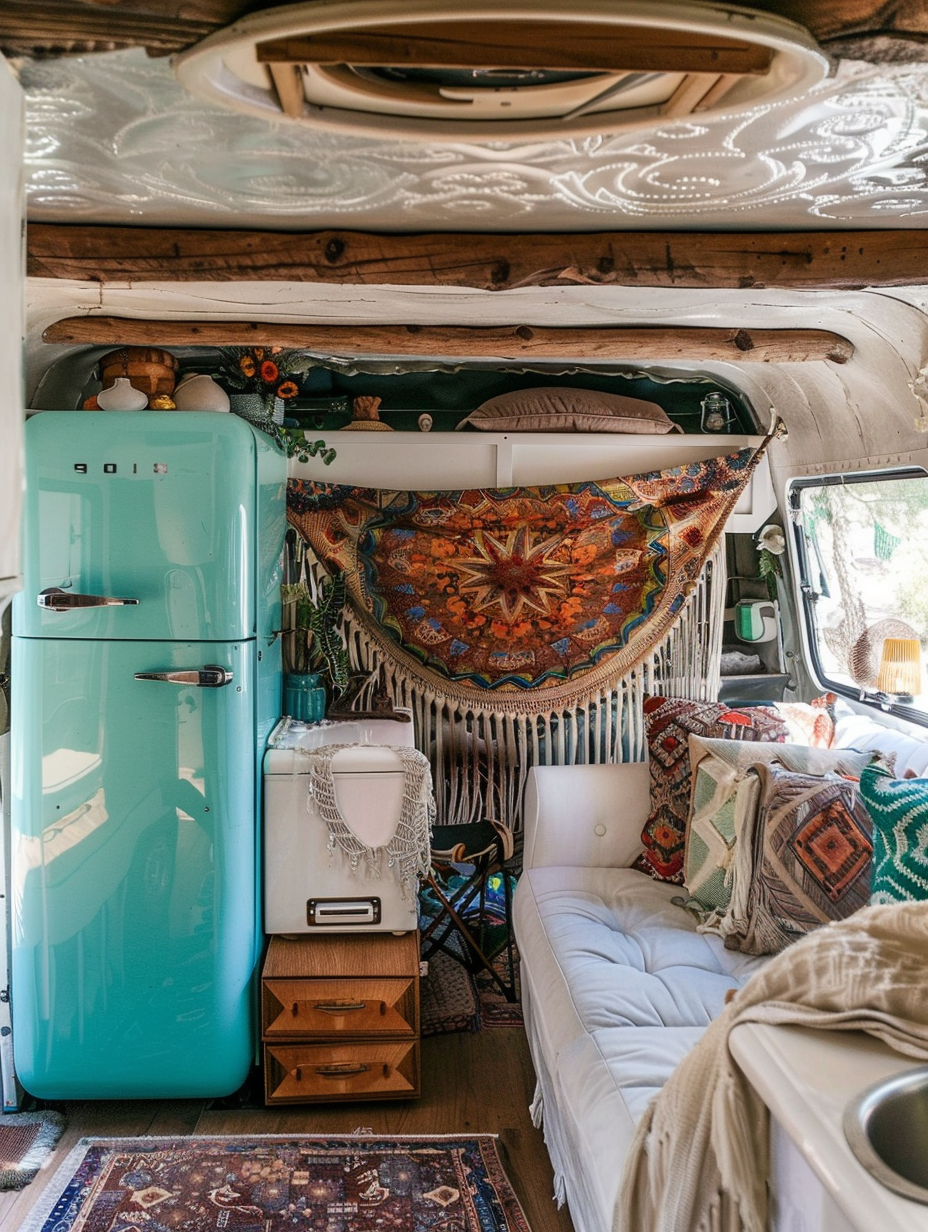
(864,564)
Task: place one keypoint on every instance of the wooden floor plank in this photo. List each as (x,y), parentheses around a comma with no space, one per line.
(472,1083)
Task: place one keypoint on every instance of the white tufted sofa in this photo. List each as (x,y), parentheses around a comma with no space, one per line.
(616,982)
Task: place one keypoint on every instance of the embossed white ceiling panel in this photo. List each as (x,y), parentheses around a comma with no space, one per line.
(114,139)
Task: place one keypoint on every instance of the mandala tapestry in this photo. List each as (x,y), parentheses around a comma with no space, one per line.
(510,605)
(521,589)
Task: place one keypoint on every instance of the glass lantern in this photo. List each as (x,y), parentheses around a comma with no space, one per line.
(717,415)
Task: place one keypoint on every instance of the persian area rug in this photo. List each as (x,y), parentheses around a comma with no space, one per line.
(271,1183)
(26,1141)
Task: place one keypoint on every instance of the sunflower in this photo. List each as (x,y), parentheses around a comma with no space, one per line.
(289,389)
(247,365)
(269,372)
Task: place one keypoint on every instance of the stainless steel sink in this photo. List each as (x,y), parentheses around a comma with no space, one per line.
(887,1129)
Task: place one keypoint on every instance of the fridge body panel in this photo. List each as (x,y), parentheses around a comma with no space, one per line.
(133,897)
(136,809)
(145,506)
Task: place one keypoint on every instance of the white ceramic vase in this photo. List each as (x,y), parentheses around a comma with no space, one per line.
(122,396)
(199,392)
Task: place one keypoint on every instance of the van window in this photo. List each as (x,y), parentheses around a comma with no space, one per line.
(863,556)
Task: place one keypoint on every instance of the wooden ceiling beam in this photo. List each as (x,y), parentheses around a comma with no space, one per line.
(799,260)
(868,29)
(69,27)
(623,343)
(537,44)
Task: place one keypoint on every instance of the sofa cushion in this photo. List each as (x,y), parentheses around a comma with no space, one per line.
(860,731)
(608,948)
(603,1084)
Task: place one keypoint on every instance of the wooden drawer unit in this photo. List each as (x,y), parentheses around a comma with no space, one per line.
(318,1009)
(362,1069)
(340,1018)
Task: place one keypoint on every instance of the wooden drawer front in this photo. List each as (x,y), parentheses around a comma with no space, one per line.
(323,1008)
(312,1073)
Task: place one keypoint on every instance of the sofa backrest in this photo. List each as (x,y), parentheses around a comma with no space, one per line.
(585,816)
(860,731)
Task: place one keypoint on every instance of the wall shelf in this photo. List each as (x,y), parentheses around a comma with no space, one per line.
(453,460)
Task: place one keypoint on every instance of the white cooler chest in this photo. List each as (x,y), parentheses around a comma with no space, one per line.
(309,888)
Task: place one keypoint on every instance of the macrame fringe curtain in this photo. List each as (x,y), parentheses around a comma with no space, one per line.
(480,756)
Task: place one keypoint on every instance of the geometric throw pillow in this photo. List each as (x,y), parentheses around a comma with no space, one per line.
(724,805)
(813,858)
(899,809)
(669,723)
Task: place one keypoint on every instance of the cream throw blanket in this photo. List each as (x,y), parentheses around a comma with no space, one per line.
(698,1162)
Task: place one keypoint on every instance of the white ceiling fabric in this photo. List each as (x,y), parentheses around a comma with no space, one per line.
(113,138)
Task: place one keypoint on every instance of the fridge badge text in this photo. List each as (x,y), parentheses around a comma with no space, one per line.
(111,468)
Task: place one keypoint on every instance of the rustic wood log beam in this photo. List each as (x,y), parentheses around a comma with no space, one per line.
(880,29)
(625,343)
(847,26)
(800,260)
(69,27)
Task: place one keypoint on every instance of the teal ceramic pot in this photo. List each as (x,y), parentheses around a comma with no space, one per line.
(304,696)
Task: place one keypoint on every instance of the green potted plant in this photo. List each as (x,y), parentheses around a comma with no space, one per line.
(315,661)
(260,382)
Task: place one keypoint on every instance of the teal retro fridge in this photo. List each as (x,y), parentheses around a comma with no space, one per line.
(146,679)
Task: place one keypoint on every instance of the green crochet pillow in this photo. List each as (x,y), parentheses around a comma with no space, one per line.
(899,809)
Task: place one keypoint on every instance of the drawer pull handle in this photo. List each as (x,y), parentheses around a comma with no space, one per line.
(386,1070)
(341,1007)
(298,1074)
(341,1069)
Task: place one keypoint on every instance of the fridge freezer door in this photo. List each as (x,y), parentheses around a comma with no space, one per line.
(133,870)
(146,506)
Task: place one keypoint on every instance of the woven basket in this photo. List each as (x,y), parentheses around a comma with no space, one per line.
(148,369)
(864,658)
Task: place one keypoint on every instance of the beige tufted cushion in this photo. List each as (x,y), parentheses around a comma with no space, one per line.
(550,409)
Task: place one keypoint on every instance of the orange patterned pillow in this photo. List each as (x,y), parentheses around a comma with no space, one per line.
(811,723)
(669,723)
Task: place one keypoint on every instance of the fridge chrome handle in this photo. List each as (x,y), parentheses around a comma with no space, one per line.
(57,600)
(212,676)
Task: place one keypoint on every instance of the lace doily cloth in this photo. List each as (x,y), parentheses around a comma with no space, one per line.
(409,847)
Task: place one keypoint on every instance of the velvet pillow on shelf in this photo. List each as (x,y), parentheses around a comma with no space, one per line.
(718,862)
(812,858)
(553,409)
(669,723)
(899,809)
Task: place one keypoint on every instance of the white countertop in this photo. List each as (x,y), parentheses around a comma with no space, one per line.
(806,1078)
